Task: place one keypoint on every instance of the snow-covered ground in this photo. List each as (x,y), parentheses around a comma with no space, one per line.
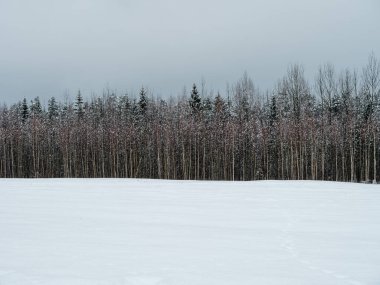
(147,232)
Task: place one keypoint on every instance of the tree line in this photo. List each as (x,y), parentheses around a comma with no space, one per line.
(324,130)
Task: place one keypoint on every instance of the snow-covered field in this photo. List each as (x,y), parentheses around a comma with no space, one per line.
(147,232)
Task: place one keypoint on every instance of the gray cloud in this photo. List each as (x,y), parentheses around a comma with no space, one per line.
(51,46)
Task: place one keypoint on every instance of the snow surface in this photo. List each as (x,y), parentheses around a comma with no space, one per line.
(147,232)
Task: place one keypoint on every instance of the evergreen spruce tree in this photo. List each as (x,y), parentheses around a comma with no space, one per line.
(195,100)
(143,102)
(24,110)
(207,108)
(35,106)
(52,108)
(79,105)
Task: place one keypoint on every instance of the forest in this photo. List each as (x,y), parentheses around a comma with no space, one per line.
(327,129)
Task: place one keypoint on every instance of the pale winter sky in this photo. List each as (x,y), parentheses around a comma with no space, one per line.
(49,47)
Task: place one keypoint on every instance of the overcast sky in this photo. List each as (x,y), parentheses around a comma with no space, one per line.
(51,46)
